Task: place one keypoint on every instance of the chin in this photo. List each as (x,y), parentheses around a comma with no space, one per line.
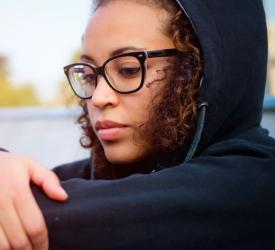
(125,155)
(121,160)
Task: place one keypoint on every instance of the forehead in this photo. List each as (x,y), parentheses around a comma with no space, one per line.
(123,24)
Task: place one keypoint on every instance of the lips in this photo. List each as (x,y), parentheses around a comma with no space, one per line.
(109,130)
(108,125)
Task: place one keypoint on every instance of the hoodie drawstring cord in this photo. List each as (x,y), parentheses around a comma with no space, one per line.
(198,133)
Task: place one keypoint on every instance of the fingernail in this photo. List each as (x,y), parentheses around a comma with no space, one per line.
(63,192)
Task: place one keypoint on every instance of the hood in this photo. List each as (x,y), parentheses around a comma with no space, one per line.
(233,37)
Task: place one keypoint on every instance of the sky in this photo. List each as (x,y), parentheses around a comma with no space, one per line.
(39,37)
(270,10)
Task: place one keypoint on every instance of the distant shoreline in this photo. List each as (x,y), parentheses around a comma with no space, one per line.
(25,113)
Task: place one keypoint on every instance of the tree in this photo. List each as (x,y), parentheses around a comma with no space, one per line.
(11,95)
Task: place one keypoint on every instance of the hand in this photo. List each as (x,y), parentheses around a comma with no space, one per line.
(22,225)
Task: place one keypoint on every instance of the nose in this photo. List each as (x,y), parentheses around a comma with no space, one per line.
(104,95)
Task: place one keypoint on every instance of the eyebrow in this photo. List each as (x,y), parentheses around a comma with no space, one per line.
(114,53)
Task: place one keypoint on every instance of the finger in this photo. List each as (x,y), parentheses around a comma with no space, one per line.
(13,228)
(51,185)
(4,244)
(32,220)
(47,180)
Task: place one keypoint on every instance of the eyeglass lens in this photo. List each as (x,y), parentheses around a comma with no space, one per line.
(123,74)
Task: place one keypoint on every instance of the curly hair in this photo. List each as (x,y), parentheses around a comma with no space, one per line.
(173,113)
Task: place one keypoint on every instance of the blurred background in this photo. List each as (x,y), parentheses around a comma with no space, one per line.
(37,108)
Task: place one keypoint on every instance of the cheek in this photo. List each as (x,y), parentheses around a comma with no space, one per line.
(91,113)
(138,106)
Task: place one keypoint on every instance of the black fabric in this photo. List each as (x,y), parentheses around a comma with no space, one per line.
(233,39)
(221,199)
(79,169)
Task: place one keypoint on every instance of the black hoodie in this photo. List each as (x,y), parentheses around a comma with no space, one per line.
(224,197)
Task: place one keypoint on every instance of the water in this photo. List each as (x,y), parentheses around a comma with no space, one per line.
(268,122)
(51,136)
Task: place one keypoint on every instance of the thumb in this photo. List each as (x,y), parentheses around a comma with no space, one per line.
(47,180)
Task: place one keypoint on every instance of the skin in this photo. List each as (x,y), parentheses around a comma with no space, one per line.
(112,27)
(22,225)
(142,33)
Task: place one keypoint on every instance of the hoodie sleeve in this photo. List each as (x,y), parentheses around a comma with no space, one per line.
(209,203)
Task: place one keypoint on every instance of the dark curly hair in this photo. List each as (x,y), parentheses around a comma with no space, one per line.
(173,113)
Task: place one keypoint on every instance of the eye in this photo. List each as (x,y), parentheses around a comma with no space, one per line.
(89,78)
(129,71)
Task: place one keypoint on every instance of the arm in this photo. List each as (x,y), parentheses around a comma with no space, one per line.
(209,203)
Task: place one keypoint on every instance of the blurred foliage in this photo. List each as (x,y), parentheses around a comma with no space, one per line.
(69,98)
(11,95)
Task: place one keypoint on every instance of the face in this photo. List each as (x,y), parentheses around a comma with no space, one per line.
(116,118)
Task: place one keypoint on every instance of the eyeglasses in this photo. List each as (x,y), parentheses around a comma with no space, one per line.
(124,73)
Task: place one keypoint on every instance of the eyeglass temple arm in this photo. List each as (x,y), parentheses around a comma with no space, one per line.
(162,53)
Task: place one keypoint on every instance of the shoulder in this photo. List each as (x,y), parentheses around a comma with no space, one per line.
(254,143)
(77,169)
(240,165)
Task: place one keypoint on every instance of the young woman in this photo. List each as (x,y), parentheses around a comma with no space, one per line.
(172,96)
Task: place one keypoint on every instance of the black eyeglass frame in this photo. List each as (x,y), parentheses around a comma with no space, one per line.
(140,55)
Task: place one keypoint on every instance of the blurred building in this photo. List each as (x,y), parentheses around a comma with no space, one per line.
(271,73)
